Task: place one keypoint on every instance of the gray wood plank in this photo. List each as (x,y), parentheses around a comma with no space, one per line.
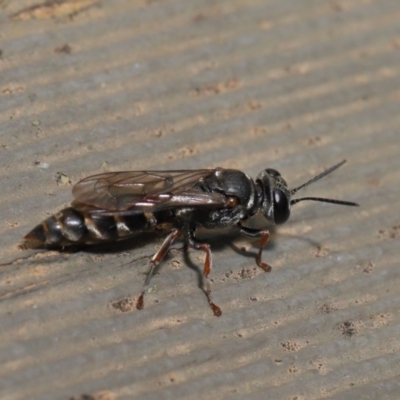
(297,86)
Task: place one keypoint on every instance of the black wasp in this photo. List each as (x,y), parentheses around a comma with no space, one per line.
(117,205)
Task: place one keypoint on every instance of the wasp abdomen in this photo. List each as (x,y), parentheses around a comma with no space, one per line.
(70,226)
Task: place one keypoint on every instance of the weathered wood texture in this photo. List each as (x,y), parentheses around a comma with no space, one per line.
(295,85)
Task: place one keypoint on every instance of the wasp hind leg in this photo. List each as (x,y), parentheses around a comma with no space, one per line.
(264,236)
(155,261)
(193,242)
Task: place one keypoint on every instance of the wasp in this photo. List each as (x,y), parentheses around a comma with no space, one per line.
(117,205)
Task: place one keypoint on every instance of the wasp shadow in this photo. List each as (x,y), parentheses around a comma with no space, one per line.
(219,240)
(137,241)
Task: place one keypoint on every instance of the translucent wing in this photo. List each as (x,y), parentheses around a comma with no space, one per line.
(131,192)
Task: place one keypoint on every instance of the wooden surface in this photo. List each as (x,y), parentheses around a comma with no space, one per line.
(296,85)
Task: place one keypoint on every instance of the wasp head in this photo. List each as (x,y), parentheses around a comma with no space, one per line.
(277,200)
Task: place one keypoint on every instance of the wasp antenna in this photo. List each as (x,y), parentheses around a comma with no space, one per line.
(323,200)
(316,178)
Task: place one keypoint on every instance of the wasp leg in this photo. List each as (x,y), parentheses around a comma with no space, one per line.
(264,235)
(155,261)
(193,242)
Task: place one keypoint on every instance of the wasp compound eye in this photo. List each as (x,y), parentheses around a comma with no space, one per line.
(281,206)
(273,173)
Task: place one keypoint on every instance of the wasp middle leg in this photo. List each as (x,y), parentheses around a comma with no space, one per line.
(193,242)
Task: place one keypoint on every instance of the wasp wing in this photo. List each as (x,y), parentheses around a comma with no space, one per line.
(131,192)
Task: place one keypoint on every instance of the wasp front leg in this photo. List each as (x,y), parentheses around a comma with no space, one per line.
(264,236)
(193,242)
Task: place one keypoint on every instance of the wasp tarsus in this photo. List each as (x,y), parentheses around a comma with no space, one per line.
(117,205)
